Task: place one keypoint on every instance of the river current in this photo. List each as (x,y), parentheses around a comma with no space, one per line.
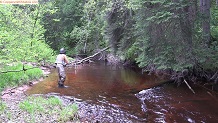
(111,94)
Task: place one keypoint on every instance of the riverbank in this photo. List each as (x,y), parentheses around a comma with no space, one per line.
(16,106)
(110,95)
(20,90)
(54,107)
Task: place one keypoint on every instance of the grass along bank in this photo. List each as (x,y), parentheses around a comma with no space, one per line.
(34,109)
(18,74)
(16,106)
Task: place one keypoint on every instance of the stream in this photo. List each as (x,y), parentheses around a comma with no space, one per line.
(111,94)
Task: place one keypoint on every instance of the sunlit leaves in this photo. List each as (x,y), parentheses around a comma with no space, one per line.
(21,37)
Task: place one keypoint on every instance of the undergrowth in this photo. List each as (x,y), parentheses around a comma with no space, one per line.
(12,78)
(51,106)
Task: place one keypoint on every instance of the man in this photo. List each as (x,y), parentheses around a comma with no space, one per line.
(61,62)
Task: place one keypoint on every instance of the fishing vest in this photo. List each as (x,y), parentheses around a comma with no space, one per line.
(60,59)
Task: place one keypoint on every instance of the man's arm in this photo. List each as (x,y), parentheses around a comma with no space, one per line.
(65,59)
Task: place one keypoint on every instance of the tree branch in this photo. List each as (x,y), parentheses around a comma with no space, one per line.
(24,69)
(89,57)
(189,86)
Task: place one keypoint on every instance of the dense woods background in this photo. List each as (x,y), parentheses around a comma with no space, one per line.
(176,37)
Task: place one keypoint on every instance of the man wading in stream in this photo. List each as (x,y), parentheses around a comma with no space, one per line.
(61,62)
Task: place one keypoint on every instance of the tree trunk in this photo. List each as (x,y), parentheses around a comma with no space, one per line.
(205,11)
(186,24)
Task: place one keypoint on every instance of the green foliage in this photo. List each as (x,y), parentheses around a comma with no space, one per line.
(80,30)
(39,104)
(4,110)
(88,36)
(29,107)
(53,101)
(214,22)
(161,30)
(22,40)
(21,35)
(166,34)
(2,106)
(17,78)
(49,106)
(60,20)
(207,58)
(68,113)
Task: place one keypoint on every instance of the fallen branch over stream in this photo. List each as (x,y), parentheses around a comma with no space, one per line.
(89,57)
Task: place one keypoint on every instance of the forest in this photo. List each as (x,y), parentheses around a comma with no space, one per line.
(175,38)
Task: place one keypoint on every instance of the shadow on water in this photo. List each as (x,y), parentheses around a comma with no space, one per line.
(111,94)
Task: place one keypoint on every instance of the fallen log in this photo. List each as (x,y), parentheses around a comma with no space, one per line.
(89,57)
(23,69)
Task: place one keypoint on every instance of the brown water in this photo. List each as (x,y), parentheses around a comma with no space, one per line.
(117,95)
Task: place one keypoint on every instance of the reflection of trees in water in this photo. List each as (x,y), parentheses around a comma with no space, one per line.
(129,77)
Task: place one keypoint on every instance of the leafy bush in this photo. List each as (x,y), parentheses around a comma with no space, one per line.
(21,36)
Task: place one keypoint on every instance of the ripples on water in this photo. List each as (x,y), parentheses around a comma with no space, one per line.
(115,95)
(169,104)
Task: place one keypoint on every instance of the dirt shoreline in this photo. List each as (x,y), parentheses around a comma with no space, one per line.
(13,96)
